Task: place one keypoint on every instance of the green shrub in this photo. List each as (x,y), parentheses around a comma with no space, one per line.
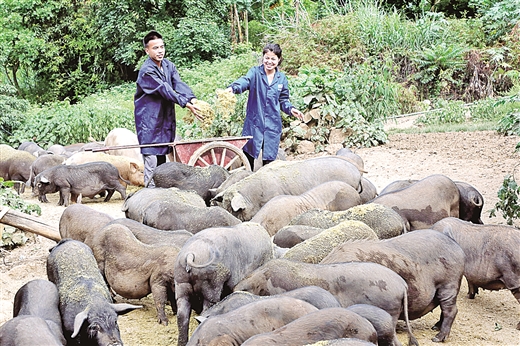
(509,200)
(93,118)
(509,124)
(12,237)
(257,31)
(355,103)
(198,40)
(453,112)
(438,67)
(499,18)
(13,111)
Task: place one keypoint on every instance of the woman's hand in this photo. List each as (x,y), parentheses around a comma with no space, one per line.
(297,114)
(194,109)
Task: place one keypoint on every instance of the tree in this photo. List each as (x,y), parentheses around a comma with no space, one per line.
(12,109)
(62,49)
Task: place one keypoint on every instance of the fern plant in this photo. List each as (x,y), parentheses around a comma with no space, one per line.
(437,65)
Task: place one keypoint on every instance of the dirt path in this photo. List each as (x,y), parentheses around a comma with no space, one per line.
(480,158)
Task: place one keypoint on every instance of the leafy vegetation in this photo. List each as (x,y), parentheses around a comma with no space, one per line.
(68,68)
(509,124)
(13,110)
(12,237)
(90,119)
(509,200)
(350,67)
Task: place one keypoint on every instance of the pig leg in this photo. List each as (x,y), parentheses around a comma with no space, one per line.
(76,198)
(171,298)
(64,196)
(183,291)
(159,293)
(516,294)
(448,305)
(109,195)
(472,290)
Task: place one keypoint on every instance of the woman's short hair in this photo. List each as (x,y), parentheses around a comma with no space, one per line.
(152,35)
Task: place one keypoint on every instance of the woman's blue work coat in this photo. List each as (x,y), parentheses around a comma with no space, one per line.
(154,101)
(263,120)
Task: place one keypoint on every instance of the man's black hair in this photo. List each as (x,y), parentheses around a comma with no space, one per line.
(152,35)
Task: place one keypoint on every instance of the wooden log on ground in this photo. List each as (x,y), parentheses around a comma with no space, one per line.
(28,223)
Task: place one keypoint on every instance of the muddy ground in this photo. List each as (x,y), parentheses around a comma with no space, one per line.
(479,158)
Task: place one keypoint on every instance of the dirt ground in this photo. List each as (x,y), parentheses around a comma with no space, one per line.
(479,158)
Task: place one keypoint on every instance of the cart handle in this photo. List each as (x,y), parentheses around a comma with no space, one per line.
(131,146)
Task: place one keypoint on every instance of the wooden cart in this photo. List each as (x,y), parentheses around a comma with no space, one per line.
(222,151)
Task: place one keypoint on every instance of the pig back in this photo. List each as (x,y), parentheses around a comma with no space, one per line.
(244,198)
(38,297)
(240,249)
(72,267)
(427,260)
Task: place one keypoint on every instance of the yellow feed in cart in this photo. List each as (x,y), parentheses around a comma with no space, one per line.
(206,111)
(226,103)
(225,107)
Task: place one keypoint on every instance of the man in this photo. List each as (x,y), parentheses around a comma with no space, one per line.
(159,88)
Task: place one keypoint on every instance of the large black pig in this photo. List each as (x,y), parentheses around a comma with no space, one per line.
(15,165)
(314,295)
(326,324)
(350,282)
(36,317)
(471,200)
(89,316)
(39,298)
(133,269)
(79,222)
(28,330)
(137,202)
(212,262)
(425,202)
(492,254)
(167,215)
(42,163)
(261,316)
(431,264)
(186,177)
(75,182)
(32,148)
(153,236)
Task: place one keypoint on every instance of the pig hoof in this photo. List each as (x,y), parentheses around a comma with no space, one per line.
(438,338)
(164,322)
(518,326)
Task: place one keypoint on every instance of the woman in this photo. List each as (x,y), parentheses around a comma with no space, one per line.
(268,93)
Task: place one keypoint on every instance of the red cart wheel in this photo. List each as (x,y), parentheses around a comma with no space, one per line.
(220,153)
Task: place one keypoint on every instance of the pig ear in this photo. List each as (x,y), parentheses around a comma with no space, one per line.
(238,202)
(78,322)
(44,180)
(123,308)
(134,167)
